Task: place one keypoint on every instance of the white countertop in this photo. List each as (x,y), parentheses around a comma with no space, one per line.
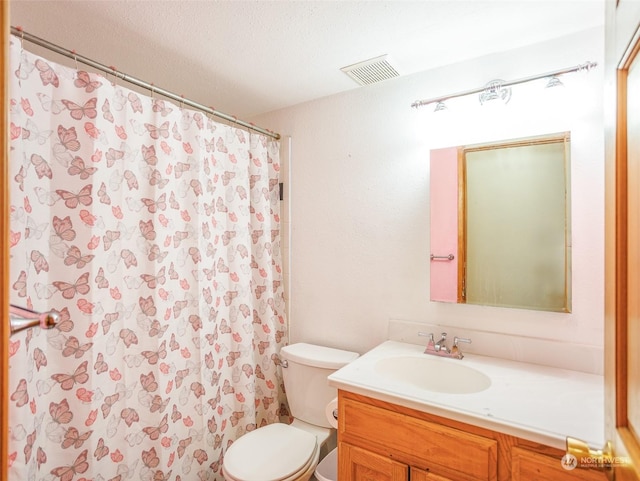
(533,402)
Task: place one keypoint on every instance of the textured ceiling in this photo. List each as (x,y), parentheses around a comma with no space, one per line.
(250,57)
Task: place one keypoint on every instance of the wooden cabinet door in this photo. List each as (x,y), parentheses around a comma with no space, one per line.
(422,475)
(357,464)
(528,465)
(392,433)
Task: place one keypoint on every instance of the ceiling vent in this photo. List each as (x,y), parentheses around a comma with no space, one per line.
(371,71)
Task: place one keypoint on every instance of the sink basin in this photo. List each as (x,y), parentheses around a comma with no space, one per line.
(433,374)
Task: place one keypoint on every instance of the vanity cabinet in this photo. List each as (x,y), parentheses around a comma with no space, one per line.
(412,440)
(420,475)
(363,465)
(381,441)
(527,464)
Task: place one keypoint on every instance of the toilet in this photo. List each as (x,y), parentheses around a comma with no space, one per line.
(290,452)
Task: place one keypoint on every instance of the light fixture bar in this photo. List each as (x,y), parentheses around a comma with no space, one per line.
(585,66)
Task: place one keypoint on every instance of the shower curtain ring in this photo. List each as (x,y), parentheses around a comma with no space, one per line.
(152,90)
(115,75)
(75,58)
(21,30)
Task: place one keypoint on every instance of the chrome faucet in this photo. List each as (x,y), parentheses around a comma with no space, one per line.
(440,348)
(441,345)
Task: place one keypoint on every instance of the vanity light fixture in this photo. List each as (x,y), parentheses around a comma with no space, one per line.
(440,106)
(499,89)
(495,90)
(553,82)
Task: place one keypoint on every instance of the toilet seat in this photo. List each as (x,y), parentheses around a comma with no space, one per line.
(277,452)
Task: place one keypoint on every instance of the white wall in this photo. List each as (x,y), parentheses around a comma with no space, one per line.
(358,195)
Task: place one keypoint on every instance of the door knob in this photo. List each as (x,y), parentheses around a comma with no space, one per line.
(580,455)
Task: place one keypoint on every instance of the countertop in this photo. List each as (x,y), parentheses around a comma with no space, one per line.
(537,403)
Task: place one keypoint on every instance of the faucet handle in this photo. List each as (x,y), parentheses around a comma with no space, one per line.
(457,339)
(430,344)
(455,350)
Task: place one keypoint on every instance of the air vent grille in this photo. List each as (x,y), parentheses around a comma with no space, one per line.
(371,71)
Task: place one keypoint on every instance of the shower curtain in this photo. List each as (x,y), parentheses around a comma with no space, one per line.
(154,232)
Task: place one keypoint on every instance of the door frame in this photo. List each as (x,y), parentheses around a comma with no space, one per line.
(4,243)
(622,41)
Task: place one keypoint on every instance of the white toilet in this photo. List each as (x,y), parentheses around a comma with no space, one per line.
(290,452)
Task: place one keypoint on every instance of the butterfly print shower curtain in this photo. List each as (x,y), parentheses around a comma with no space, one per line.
(154,232)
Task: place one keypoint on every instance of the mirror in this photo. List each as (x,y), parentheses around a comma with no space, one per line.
(500,224)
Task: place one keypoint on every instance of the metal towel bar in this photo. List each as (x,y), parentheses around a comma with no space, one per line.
(22,318)
(449,257)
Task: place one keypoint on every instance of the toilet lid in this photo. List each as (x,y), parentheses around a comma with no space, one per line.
(270,453)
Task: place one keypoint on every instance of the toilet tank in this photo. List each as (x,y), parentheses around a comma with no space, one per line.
(305,379)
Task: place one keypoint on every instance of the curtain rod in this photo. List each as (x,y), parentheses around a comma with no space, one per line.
(17,31)
(585,66)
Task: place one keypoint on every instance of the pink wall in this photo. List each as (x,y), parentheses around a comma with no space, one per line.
(444,224)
